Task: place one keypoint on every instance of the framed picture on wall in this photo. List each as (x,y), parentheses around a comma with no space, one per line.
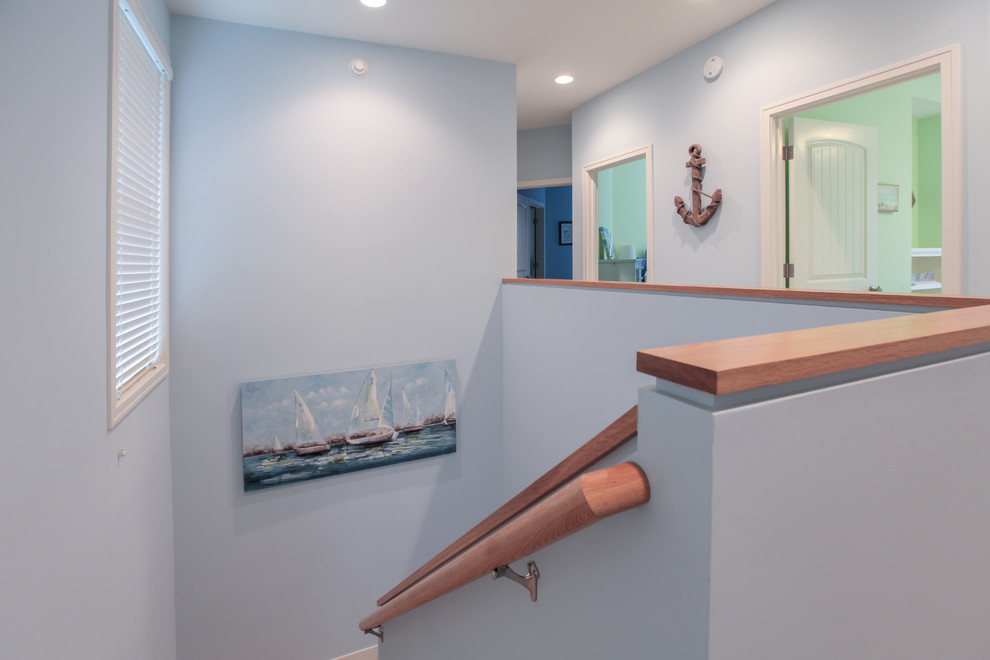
(887,197)
(309,427)
(566,237)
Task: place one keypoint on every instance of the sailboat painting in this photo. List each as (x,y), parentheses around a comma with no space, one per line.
(308,427)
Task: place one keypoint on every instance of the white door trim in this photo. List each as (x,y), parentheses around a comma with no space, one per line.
(589,209)
(543,183)
(772,168)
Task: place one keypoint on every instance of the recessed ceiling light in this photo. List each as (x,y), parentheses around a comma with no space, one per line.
(564,79)
(373,3)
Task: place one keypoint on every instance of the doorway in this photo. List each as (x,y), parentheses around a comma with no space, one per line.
(546,206)
(530,251)
(897,101)
(617,220)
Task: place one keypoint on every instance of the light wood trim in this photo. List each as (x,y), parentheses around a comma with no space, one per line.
(872,299)
(611,438)
(580,503)
(733,365)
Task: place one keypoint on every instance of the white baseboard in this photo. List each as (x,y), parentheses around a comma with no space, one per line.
(370,653)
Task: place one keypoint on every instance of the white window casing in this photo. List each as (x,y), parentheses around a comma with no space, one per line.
(138,210)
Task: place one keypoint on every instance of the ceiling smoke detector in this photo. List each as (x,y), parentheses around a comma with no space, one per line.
(358,67)
(713,67)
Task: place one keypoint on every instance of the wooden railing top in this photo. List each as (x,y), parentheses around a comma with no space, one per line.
(734,365)
(877,298)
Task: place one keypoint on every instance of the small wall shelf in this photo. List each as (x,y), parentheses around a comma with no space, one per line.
(926,261)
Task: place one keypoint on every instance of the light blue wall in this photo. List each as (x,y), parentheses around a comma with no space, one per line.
(541,372)
(544,153)
(789,48)
(831,537)
(308,238)
(86,553)
(630,575)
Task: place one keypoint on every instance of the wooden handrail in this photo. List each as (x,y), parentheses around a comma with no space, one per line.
(581,502)
(817,295)
(613,436)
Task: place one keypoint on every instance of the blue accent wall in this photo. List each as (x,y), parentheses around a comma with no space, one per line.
(558,257)
(535,194)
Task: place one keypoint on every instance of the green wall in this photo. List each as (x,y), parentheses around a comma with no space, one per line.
(927,229)
(622,204)
(891,110)
(604,205)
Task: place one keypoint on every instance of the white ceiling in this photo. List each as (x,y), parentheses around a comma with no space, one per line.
(600,42)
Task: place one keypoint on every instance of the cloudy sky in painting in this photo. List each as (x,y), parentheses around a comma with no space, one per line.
(268,406)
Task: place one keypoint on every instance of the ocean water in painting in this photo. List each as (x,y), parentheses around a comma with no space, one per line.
(307,427)
(270,470)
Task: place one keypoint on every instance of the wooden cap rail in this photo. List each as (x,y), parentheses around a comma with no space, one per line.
(612,437)
(734,365)
(580,503)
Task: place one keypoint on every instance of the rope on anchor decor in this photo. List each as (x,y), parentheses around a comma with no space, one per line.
(699,216)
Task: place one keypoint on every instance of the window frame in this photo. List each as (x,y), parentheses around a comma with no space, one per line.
(773,169)
(120,403)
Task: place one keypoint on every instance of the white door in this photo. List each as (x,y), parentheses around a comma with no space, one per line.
(832,216)
(523,247)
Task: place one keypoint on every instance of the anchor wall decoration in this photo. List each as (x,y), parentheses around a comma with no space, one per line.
(699,216)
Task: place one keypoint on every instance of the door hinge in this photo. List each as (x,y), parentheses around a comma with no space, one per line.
(788,270)
(787,152)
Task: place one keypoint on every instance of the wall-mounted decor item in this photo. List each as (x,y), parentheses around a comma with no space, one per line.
(566,237)
(713,67)
(887,194)
(307,427)
(700,215)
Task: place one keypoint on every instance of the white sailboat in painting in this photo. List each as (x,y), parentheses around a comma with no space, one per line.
(309,440)
(449,400)
(369,423)
(279,449)
(410,423)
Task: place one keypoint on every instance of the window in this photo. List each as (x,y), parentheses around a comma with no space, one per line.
(138,210)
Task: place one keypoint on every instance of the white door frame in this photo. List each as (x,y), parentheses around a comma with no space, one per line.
(773,167)
(589,210)
(543,183)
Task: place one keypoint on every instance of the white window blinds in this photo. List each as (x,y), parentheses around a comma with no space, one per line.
(138,206)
